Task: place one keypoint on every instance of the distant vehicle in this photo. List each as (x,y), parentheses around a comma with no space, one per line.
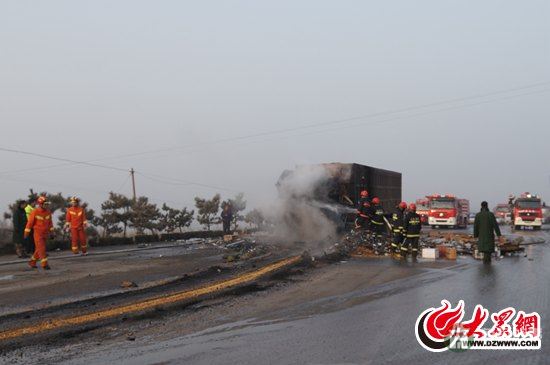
(502,212)
(448,211)
(527,212)
(423,210)
(545,214)
(472,218)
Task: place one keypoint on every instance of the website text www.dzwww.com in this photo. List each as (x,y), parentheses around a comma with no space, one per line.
(508,344)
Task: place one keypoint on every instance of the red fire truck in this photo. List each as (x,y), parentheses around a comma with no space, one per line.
(448,211)
(527,212)
(501,211)
(423,209)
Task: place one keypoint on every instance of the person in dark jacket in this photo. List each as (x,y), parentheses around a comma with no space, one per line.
(485,227)
(29,241)
(397,221)
(376,214)
(19,223)
(412,226)
(227,217)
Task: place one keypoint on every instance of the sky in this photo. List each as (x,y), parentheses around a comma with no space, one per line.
(201,97)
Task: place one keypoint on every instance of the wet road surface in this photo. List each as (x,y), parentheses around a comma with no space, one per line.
(359,311)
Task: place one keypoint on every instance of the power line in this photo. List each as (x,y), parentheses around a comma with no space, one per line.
(276,131)
(61,159)
(175,181)
(341,121)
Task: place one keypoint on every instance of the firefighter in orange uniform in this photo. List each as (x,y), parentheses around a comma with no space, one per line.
(40,222)
(76,222)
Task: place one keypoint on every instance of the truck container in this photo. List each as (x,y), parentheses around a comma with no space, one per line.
(339,185)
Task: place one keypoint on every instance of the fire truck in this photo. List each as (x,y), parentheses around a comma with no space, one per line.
(448,211)
(502,212)
(423,210)
(527,212)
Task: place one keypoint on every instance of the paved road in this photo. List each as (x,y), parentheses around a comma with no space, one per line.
(359,311)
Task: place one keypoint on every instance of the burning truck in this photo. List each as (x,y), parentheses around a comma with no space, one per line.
(334,189)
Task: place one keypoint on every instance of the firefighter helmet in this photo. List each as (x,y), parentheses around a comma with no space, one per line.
(403,205)
(412,207)
(375,201)
(42,200)
(74,199)
(364,193)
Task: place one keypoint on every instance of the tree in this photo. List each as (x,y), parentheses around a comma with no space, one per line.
(238,204)
(172,219)
(208,211)
(255,218)
(144,215)
(116,210)
(107,223)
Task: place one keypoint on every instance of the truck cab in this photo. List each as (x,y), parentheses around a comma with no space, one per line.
(448,211)
(527,212)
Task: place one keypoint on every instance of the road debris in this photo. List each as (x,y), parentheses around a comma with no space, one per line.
(128,284)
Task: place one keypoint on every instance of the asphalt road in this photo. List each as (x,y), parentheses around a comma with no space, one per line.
(355,312)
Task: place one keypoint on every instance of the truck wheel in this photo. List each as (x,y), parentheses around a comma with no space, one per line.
(452,227)
(536,228)
(517,228)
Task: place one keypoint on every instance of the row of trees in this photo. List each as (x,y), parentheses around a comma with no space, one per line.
(120,213)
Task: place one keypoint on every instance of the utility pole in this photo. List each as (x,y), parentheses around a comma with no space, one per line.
(132,171)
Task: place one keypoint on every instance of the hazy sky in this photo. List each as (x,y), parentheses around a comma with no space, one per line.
(90,80)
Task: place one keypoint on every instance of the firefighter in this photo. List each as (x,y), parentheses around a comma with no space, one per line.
(362,220)
(40,222)
(363,198)
(76,222)
(397,221)
(412,225)
(376,214)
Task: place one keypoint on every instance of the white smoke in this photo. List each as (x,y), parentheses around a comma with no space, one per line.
(300,216)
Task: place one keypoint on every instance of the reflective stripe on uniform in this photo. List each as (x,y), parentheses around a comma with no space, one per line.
(377,223)
(413,235)
(39,217)
(394,244)
(27,230)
